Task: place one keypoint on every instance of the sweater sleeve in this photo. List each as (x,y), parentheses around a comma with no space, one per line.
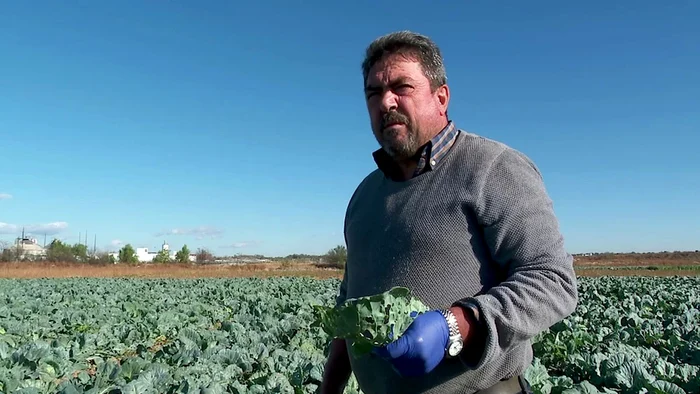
(522,233)
(341,296)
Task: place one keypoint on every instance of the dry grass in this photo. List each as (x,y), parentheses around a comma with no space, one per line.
(636,272)
(662,264)
(166,271)
(659,259)
(635,263)
(161,271)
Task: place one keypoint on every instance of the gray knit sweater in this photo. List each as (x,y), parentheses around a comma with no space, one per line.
(479,227)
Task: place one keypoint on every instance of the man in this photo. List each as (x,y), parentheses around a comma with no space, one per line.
(464,222)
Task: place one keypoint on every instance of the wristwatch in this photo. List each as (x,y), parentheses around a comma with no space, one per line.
(454,343)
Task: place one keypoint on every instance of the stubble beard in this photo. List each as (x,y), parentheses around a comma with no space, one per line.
(391,141)
(399,149)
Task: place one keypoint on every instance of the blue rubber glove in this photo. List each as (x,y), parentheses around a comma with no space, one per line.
(421,347)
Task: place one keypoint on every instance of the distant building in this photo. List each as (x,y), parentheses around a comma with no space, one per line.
(146,256)
(28,248)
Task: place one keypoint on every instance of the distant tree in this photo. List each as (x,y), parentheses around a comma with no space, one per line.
(203,255)
(183,255)
(127,254)
(80,252)
(101,258)
(162,257)
(297,256)
(9,252)
(337,256)
(58,251)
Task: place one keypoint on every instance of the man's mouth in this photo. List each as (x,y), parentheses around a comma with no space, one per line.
(386,126)
(393,119)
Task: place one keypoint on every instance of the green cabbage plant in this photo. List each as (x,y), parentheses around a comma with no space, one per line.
(370,321)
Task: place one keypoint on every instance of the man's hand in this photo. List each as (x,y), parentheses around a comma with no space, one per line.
(421,348)
(337,369)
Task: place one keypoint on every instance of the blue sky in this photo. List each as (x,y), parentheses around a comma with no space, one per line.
(242,128)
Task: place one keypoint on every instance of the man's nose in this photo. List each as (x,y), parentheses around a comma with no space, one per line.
(389,102)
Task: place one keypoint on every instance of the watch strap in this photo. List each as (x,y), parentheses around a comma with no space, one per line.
(451,324)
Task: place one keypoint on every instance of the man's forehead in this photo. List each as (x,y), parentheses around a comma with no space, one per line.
(391,70)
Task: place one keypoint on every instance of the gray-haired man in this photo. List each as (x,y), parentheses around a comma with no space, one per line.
(463,221)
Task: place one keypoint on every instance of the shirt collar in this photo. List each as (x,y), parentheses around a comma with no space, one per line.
(428,156)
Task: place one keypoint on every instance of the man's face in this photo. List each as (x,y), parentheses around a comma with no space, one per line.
(404,113)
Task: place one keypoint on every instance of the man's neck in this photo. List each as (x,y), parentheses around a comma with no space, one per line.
(408,166)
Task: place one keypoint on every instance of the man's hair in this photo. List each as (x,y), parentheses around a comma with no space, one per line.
(411,45)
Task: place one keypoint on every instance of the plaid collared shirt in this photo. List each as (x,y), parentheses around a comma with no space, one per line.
(428,157)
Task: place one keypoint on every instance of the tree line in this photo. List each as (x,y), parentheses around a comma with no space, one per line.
(60,252)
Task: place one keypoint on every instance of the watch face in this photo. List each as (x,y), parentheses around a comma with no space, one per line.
(455,348)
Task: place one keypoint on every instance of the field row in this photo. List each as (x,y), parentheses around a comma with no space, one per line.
(253,335)
(296,269)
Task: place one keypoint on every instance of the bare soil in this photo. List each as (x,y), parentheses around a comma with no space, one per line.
(635,272)
(633,264)
(163,271)
(639,264)
(658,259)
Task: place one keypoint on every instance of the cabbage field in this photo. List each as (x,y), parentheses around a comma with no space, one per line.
(628,335)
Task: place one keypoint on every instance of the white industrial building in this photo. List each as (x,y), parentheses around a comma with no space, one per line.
(146,256)
(28,248)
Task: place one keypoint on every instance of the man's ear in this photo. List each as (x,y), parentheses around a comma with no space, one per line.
(443,96)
